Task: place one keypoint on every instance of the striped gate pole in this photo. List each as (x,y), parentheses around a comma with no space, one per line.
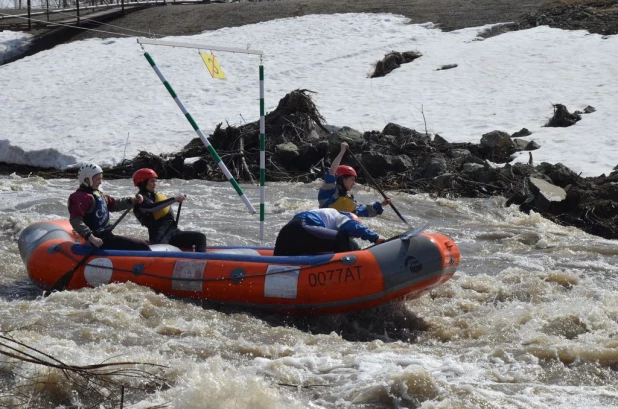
(262,152)
(209,147)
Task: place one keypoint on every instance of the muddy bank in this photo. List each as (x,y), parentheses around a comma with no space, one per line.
(300,147)
(597,17)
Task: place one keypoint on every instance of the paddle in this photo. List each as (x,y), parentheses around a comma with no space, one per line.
(373,182)
(175,223)
(64,281)
(407,235)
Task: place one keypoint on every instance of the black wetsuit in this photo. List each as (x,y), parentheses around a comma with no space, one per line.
(298,238)
(165,230)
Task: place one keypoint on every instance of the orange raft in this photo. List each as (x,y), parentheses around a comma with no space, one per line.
(250,277)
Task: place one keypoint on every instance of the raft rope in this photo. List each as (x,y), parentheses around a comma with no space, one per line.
(199,132)
(205,280)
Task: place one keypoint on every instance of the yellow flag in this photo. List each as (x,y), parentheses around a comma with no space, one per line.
(213,66)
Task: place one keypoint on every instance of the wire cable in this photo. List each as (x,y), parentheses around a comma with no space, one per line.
(79,27)
(112,25)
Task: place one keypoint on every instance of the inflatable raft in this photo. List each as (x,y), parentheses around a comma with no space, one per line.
(249,277)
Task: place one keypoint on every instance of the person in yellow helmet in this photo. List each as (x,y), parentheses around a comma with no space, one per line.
(154,213)
(335,192)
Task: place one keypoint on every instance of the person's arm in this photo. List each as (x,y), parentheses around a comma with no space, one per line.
(116,205)
(355,229)
(337,160)
(148,206)
(372,209)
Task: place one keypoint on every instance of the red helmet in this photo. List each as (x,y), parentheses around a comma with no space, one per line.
(143,174)
(345,170)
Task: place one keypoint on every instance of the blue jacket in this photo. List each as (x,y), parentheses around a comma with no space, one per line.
(335,221)
(329,196)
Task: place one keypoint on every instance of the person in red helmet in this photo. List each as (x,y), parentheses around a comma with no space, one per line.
(335,192)
(154,213)
(89,212)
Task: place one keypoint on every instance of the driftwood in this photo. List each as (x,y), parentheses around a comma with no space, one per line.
(392,61)
(562,117)
(97,384)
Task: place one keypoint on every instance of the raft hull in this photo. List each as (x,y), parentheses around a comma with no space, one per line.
(249,277)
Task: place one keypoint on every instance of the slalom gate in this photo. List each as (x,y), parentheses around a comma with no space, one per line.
(215,72)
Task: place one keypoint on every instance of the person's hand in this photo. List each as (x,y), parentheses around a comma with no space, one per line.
(344,146)
(386,202)
(137,199)
(181,198)
(95,241)
(380,240)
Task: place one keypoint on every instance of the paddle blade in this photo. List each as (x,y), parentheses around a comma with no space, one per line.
(63,282)
(413,232)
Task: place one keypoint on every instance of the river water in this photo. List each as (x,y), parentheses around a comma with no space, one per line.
(528,321)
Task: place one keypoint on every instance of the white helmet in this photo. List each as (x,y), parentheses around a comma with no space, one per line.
(88,170)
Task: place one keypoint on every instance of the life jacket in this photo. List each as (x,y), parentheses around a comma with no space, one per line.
(344,204)
(160,197)
(98,217)
(157,222)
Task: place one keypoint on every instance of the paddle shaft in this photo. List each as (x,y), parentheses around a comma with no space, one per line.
(64,281)
(407,235)
(373,182)
(175,223)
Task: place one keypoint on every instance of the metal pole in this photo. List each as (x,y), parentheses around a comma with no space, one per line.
(199,46)
(209,147)
(29,20)
(47,1)
(262,152)
(77,8)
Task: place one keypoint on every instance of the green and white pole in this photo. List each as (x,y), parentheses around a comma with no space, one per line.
(209,147)
(262,152)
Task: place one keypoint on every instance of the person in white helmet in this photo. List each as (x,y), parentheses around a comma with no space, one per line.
(322,231)
(89,212)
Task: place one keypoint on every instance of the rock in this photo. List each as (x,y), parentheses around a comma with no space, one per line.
(549,192)
(522,132)
(440,141)
(447,67)
(345,134)
(520,144)
(433,167)
(532,146)
(471,167)
(496,139)
(589,110)
(542,194)
(558,174)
